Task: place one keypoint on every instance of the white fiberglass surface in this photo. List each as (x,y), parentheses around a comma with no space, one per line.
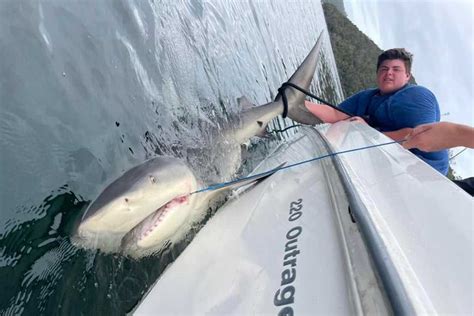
(279,237)
(424,220)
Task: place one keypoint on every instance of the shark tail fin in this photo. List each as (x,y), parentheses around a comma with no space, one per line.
(302,77)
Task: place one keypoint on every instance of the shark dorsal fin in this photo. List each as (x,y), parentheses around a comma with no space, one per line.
(245,103)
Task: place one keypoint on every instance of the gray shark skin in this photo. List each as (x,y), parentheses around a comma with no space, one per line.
(296,108)
(150,204)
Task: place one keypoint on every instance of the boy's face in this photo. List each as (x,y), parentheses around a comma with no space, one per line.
(392,75)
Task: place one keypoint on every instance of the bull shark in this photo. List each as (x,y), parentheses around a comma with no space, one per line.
(151,204)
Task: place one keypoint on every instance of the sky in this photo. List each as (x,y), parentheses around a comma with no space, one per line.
(440,35)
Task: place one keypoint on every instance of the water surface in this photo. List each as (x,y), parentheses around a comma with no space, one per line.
(90,89)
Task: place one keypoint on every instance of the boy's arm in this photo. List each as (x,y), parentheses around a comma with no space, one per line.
(326,113)
(400,134)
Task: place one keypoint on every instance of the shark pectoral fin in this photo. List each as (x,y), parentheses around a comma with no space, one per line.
(264,134)
(245,103)
(262,176)
(250,179)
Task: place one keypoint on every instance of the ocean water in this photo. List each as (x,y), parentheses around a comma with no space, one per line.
(89,89)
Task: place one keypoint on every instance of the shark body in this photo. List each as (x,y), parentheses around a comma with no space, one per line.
(151,203)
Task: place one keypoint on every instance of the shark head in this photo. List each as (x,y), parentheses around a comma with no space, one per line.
(140,192)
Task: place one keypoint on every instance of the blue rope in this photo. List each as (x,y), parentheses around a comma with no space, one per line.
(259,175)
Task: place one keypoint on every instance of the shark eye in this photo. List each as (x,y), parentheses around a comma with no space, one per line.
(126,200)
(152,179)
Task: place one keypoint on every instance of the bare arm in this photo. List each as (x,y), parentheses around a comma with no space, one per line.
(330,115)
(326,113)
(437,136)
(400,134)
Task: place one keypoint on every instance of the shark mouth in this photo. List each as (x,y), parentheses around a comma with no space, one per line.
(159,226)
(159,216)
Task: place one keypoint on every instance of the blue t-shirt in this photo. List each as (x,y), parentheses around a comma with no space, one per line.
(408,107)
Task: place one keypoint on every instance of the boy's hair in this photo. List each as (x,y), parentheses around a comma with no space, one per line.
(396,53)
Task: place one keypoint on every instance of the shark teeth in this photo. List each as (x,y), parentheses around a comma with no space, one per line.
(160,215)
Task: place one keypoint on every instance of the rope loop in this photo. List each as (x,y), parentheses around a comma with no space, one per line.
(281,91)
(285,85)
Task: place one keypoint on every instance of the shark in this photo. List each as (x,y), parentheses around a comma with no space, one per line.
(155,202)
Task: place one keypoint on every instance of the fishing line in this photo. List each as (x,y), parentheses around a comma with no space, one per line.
(217,186)
(287,128)
(457,154)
